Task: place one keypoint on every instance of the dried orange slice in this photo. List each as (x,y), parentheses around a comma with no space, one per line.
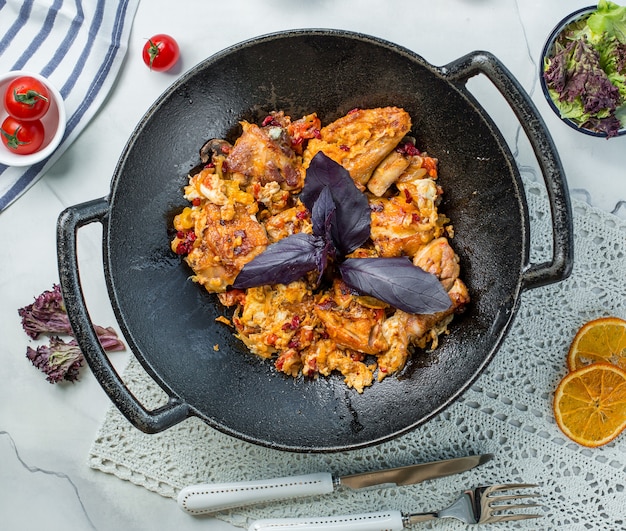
(600,340)
(590,404)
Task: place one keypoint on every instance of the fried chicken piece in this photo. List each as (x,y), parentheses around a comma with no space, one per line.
(361,140)
(404,223)
(264,154)
(387,173)
(224,247)
(403,329)
(438,257)
(350,324)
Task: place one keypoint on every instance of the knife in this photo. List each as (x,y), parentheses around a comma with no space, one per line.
(212,497)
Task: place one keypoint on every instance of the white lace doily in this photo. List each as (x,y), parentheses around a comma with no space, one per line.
(507,412)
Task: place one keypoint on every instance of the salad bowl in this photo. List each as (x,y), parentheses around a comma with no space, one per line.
(582,70)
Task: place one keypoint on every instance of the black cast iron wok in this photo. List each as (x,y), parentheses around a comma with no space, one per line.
(169,322)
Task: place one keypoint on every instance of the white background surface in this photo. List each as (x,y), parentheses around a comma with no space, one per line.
(45,430)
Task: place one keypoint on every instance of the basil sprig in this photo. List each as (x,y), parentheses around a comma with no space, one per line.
(341,221)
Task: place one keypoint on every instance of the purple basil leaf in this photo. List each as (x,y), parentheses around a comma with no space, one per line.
(351,226)
(323,214)
(322,218)
(282,262)
(398,282)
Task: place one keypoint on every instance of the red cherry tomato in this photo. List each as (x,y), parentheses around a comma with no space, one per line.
(26,98)
(22,137)
(161,52)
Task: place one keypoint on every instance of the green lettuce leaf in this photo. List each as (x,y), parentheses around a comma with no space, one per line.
(609,18)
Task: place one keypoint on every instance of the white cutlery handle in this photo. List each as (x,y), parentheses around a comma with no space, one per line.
(208,498)
(380,521)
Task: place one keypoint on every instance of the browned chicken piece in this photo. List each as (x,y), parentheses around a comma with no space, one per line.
(288,222)
(387,173)
(404,223)
(438,257)
(421,166)
(350,324)
(361,140)
(403,329)
(264,155)
(224,247)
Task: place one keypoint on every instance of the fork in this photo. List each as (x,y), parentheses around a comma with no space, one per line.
(482,505)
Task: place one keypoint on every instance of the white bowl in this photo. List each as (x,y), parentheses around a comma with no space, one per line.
(53,122)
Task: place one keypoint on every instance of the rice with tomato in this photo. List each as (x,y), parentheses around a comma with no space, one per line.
(246,198)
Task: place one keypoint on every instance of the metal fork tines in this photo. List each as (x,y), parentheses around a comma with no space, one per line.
(484,505)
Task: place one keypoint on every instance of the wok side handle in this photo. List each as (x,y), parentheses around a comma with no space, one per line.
(560,267)
(67,226)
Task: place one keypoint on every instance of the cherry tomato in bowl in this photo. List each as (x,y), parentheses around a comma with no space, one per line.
(161,52)
(54,122)
(22,136)
(27,98)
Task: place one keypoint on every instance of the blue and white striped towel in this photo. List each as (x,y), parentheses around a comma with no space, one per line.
(79,45)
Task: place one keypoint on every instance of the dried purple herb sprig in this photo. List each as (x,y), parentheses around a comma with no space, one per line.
(59,360)
(341,221)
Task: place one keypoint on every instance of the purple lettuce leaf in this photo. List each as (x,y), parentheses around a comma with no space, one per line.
(58,360)
(556,72)
(46,315)
(609,125)
(108,339)
(351,227)
(620,58)
(397,282)
(591,82)
(575,72)
(282,262)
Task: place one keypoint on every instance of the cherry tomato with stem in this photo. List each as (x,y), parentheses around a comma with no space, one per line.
(161,52)
(26,98)
(22,137)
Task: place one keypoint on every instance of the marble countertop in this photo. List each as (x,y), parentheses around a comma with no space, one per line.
(46,431)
